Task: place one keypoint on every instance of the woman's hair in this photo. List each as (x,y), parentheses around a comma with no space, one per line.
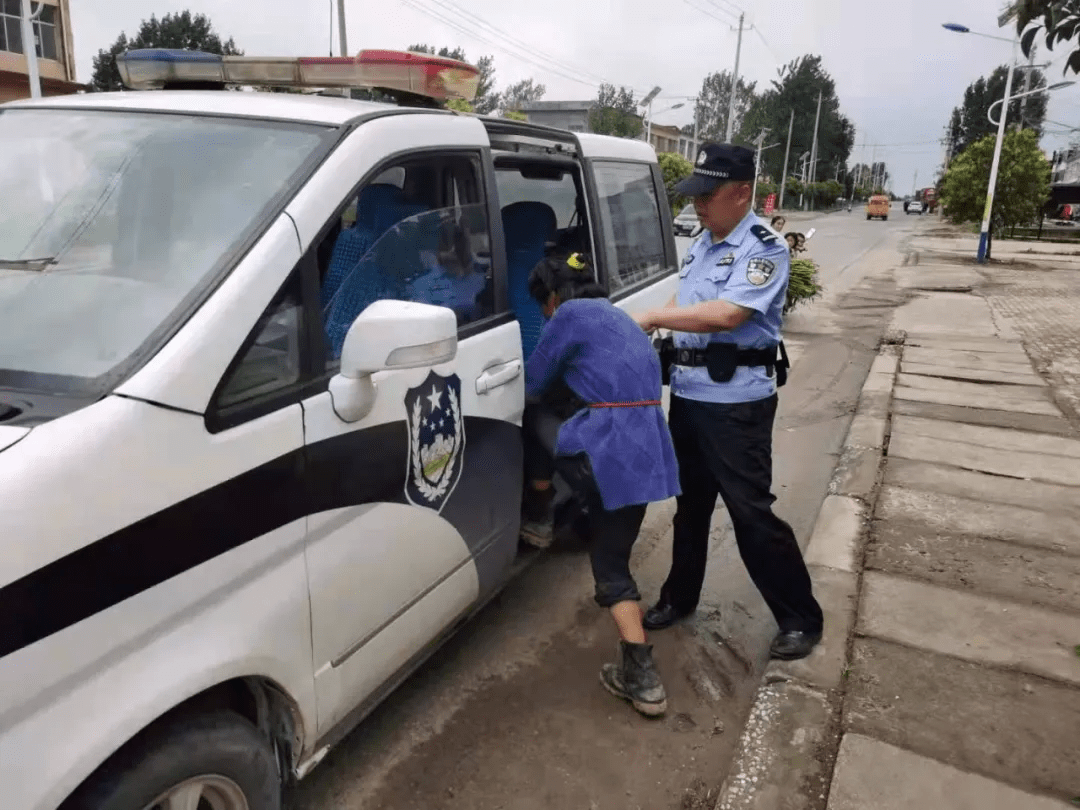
(778,217)
(567,276)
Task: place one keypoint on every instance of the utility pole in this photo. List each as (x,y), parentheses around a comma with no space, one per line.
(30,47)
(787,151)
(757,167)
(915,186)
(813,149)
(341,27)
(697,118)
(734,85)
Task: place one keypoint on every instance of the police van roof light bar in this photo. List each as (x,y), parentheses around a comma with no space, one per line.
(435,77)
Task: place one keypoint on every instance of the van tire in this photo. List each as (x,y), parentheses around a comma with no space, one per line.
(221,745)
(885,218)
(868,217)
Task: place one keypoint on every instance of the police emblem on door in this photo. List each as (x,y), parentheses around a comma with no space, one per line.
(436,440)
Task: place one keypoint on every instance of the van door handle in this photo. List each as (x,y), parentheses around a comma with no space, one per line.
(498,375)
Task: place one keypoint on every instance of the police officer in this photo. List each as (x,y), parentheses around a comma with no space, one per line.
(726,319)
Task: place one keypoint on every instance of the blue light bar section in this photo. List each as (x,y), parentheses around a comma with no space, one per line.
(168,55)
(155,68)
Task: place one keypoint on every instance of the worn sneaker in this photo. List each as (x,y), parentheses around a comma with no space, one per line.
(537,535)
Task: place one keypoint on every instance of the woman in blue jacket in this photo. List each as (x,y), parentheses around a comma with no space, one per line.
(594,415)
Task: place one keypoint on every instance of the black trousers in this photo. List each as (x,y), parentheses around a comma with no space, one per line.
(726,450)
(612,534)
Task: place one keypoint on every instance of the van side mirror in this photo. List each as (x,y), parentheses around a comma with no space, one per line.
(389,335)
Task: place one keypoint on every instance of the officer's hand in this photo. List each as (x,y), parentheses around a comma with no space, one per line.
(646,322)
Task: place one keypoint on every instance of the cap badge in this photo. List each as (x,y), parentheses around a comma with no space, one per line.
(702,157)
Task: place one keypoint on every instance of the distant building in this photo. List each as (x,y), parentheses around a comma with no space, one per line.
(53,42)
(1066,165)
(671,139)
(571,115)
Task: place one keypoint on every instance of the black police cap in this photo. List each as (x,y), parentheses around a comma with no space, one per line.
(717,163)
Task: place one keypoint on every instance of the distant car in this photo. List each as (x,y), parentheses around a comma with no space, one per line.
(915,207)
(686,221)
(878,206)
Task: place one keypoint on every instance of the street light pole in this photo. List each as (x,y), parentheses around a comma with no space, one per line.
(787,151)
(341,28)
(984,231)
(734,86)
(30,47)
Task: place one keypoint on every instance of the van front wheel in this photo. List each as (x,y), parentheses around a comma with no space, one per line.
(218,760)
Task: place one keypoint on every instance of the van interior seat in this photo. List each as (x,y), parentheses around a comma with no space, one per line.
(528,226)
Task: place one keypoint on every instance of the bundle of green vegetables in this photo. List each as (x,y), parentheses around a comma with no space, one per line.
(802,285)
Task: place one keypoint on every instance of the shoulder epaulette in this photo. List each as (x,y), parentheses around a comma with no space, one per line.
(763,233)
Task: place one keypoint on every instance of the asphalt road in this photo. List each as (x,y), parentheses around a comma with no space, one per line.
(510,714)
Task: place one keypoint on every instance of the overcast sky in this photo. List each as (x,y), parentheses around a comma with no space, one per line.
(898,72)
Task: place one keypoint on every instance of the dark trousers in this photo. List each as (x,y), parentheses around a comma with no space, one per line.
(726,450)
(612,534)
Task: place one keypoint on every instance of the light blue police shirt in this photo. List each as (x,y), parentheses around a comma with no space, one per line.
(750,268)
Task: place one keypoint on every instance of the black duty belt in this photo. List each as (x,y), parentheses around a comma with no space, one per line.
(744,357)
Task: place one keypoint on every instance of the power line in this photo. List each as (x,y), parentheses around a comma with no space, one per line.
(767,45)
(723,10)
(462,29)
(707,13)
(524,46)
(737,9)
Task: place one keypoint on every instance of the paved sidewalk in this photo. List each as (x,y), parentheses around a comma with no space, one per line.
(948,562)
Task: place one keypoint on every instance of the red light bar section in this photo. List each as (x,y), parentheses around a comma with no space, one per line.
(432,76)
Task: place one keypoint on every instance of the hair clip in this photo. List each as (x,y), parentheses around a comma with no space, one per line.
(576,262)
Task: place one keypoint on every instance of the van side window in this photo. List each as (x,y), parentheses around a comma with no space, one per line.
(418,231)
(543,213)
(630,222)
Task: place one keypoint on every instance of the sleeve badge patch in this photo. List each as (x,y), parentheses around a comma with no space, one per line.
(759,271)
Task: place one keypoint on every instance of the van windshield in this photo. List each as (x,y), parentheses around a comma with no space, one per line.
(112,223)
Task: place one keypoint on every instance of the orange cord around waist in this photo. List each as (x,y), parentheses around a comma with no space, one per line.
(644,402)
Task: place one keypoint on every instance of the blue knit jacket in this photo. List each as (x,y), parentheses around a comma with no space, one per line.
(604,357)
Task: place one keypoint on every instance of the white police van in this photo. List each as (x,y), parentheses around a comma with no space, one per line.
(261,387)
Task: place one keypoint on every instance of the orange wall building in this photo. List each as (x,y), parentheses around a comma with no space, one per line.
(55,50)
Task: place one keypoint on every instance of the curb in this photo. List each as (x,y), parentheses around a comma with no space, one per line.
(784,757)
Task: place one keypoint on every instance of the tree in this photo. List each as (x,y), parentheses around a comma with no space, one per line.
(1023,182)
(514,97)
(486,98)
(969,122)
(180,30)
(615,113)
(712,105)
(674,168)
(1058,20)
(796,88)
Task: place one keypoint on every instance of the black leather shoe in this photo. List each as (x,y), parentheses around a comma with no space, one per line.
(662,615)
(791,645)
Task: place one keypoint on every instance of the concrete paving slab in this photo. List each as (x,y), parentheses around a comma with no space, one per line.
(969,626)
(856,472)
(977,486)
(1009,348)
(945,314)
(1038,423)
(872,775)
(779,764)
(909,511)
(836,592)
(1011,463)
(980,564)
(988,401)
(1010,726)
(999,438)
(973,390)
(985,375)
(837,533)
(973,360)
